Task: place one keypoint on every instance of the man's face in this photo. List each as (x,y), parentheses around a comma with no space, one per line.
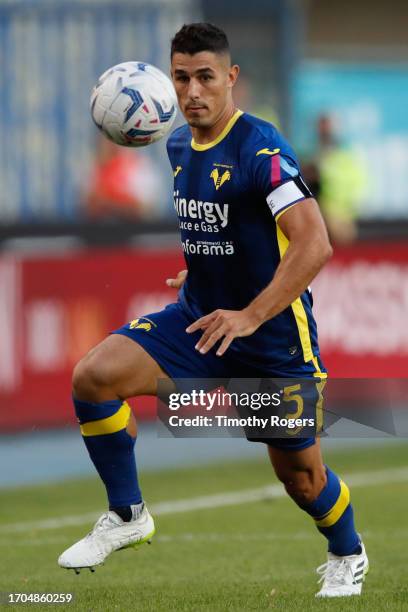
(203,83)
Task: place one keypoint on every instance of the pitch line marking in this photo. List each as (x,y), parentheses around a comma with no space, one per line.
(170,539)
(219,500)
(392,534)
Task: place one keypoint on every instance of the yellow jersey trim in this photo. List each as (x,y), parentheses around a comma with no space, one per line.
(318,373)
(110,425)
(300,315)
(204,147)
(298,308)
(338,509)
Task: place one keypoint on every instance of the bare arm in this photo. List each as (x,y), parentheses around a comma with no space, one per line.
(307,252)
(304,236)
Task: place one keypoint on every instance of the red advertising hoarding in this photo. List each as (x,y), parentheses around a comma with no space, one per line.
(54,309)
(361,308)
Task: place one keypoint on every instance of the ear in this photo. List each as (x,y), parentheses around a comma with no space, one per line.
(233,75)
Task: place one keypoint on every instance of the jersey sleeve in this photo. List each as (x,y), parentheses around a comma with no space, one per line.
(276,174)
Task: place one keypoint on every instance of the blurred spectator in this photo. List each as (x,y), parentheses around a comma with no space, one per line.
(338,179)
(123,183)
(245,99)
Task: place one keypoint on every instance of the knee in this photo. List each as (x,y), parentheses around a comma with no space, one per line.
(303,486)
(88,379)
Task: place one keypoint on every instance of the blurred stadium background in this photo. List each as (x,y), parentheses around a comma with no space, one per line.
(88,233)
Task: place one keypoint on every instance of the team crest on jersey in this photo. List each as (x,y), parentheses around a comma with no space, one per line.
(177,171)
(141,323)
(220,175)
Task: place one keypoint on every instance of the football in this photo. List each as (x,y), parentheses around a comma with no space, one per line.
(133,104)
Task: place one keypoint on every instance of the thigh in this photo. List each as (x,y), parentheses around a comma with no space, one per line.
(119,366)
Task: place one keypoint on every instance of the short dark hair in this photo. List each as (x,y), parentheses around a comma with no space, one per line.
(195,37)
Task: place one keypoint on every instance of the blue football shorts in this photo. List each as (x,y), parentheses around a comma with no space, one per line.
(163,335)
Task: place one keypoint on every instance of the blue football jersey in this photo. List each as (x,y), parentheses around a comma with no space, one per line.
(228,195)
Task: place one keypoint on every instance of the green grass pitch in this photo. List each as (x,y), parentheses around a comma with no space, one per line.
(252,556)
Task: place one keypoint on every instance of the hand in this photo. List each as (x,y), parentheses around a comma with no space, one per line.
(176,283)
(229,324)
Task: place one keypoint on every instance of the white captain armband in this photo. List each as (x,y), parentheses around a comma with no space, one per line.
(287,194)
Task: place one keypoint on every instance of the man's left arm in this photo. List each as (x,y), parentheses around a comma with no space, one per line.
(307,251)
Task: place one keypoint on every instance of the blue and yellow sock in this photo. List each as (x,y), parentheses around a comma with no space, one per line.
(111,448)
(334,518)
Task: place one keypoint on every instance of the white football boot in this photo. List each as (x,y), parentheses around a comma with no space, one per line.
(110,533)
(343,576)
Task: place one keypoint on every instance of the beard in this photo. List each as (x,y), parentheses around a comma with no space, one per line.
(198,121)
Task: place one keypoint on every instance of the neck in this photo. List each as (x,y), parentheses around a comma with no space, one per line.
(208,134)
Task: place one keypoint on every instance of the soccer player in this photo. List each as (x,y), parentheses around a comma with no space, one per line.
(253,239)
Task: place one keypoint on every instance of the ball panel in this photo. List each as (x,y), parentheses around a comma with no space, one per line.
(134,104)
